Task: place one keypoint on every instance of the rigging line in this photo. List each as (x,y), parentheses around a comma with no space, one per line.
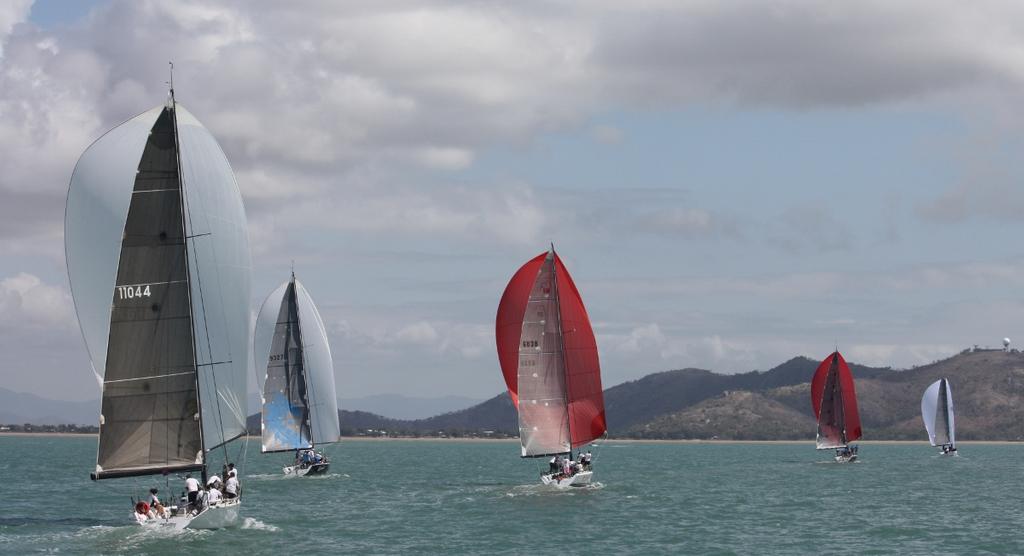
(199,279)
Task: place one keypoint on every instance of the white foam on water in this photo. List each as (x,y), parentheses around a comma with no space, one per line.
(255,524)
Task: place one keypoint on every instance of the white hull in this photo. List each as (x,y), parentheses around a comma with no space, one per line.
(846,459)
(315,469)
(219,516)
(580,479)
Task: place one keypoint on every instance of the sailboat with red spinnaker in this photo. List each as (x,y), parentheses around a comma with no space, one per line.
(834,401)
(549,359)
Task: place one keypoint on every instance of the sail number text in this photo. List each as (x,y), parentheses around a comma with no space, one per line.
(131,292)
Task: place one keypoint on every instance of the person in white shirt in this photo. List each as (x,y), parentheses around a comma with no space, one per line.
(213,495)
(192,486)
(232,472)
(231,487)
(214,479)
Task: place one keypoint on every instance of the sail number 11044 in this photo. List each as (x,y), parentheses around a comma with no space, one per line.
(131,292)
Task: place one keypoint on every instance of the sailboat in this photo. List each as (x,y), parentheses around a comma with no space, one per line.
(158,259)
(834,402)
(549,359)
(937,413)
(300,407)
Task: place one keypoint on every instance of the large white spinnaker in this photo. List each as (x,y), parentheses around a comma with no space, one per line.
(937,413)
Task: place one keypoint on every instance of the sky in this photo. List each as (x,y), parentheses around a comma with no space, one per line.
(731,184)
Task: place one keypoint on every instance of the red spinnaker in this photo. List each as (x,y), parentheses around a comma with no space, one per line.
(851,418)
(583,369)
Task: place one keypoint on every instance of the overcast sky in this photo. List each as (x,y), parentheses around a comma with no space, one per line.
(730,183)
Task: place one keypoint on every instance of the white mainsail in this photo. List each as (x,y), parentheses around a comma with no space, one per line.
(543,411)
(937,413)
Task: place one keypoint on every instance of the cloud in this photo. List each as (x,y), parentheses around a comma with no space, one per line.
(997,200)
(27,302)
(12,13)
(811,227)
(606,134)
(349,107)
(903,355)
(803,54)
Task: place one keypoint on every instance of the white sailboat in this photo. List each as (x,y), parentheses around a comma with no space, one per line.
(300,406)
(158,259)
(937,413)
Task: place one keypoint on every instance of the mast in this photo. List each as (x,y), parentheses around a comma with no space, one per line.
(561,343)
(188,273)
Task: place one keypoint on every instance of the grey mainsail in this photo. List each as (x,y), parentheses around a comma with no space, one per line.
(150,409)
(285,402)
(154,215)
(831,421)
(942,416)
(543,411)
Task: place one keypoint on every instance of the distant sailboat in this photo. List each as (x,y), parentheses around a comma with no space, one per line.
(834,402)
(300,406)
(549,359)
(158,259)
(937,413)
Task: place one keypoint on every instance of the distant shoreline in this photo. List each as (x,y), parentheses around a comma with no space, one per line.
(516,440)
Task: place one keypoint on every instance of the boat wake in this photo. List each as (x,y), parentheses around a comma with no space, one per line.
(282,476)
(548,490)
(255,524)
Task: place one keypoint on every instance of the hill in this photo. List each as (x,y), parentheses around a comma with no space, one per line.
(637,402)
(494,417)
(18,408)
(988,392)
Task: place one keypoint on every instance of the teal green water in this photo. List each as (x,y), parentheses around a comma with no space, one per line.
(453,497)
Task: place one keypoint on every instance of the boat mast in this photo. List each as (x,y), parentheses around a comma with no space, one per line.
(188,275)
(561,343)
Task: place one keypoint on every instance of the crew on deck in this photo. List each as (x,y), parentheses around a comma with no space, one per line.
(192,487)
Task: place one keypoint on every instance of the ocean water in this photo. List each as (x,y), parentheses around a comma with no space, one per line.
(390,497)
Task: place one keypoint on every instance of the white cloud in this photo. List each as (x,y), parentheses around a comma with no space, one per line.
(12,12)
(421,333)
(899,355)
(25,301)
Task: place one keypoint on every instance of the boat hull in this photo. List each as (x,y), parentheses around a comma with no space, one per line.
(578,480)
(220,516)
(315,469)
